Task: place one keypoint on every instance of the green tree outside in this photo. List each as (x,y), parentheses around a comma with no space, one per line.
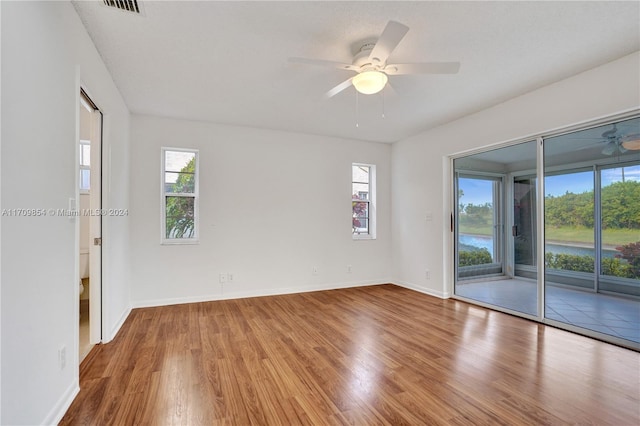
(620,201)
(180,211)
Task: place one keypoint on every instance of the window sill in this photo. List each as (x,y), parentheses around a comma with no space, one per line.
(180,242)
(363,237)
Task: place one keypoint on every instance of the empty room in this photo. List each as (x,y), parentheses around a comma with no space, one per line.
(319,212)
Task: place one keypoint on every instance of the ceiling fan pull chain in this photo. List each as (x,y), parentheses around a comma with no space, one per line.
(383,101)
(357,108)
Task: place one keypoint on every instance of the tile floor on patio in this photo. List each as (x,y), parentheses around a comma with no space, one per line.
(612,315)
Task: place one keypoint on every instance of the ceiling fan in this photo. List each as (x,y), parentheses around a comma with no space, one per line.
(371,67)
(619,144)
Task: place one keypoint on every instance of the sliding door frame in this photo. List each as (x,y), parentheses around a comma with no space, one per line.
(540,236)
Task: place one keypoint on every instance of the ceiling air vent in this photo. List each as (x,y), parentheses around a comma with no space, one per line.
(126,5)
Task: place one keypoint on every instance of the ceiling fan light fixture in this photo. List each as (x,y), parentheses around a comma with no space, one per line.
(370,82)
(631,142)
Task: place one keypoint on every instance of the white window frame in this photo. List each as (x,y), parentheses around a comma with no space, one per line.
(83,167)
(372,202)
(195,195)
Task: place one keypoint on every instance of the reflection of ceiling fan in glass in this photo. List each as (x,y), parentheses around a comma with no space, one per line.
(619,144)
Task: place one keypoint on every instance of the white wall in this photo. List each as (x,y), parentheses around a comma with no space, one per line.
(272,205)
(46,53)
(421,172)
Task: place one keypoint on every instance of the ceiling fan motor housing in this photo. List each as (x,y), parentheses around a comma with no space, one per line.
(361,56)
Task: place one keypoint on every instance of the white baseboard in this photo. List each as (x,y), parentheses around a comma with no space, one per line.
(429,291)
(114,330)
(63,404)
(255,293)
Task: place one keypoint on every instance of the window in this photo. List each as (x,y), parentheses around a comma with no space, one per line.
(85,166)
(363,201)
(179,196)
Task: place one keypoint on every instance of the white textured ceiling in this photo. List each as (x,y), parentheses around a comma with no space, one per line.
(226,62)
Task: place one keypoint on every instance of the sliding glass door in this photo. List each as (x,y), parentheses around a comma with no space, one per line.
(589,211)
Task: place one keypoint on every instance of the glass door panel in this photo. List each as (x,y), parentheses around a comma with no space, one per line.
(592,230)
(488,222)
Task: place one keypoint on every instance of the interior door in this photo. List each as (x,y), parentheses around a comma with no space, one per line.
(95,230)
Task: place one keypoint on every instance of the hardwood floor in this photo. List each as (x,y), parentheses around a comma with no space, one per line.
(369,355)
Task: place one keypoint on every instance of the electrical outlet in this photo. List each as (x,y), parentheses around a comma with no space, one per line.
(223,278)
(427,274)
(348,269)
(62,357)
(230,276)
(314,270)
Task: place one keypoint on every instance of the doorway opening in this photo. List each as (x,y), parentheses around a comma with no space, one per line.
(90,225)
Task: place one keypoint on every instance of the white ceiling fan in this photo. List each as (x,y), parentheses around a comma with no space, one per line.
(370,63)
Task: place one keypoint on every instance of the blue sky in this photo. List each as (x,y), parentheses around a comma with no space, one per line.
(479,191)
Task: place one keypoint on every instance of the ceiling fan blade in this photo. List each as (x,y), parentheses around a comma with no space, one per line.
(390,91)
(610,133)
(324,63)
(389,39)
(339,88)
(423,68)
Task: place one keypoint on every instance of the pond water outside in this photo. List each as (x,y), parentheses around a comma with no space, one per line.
(487,242)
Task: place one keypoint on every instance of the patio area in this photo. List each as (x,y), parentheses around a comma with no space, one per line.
(613,315)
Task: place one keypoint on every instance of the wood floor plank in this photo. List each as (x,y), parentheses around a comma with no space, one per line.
(361,356)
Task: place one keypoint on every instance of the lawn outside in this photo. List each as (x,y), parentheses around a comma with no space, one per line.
(483,230)
(610,237)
